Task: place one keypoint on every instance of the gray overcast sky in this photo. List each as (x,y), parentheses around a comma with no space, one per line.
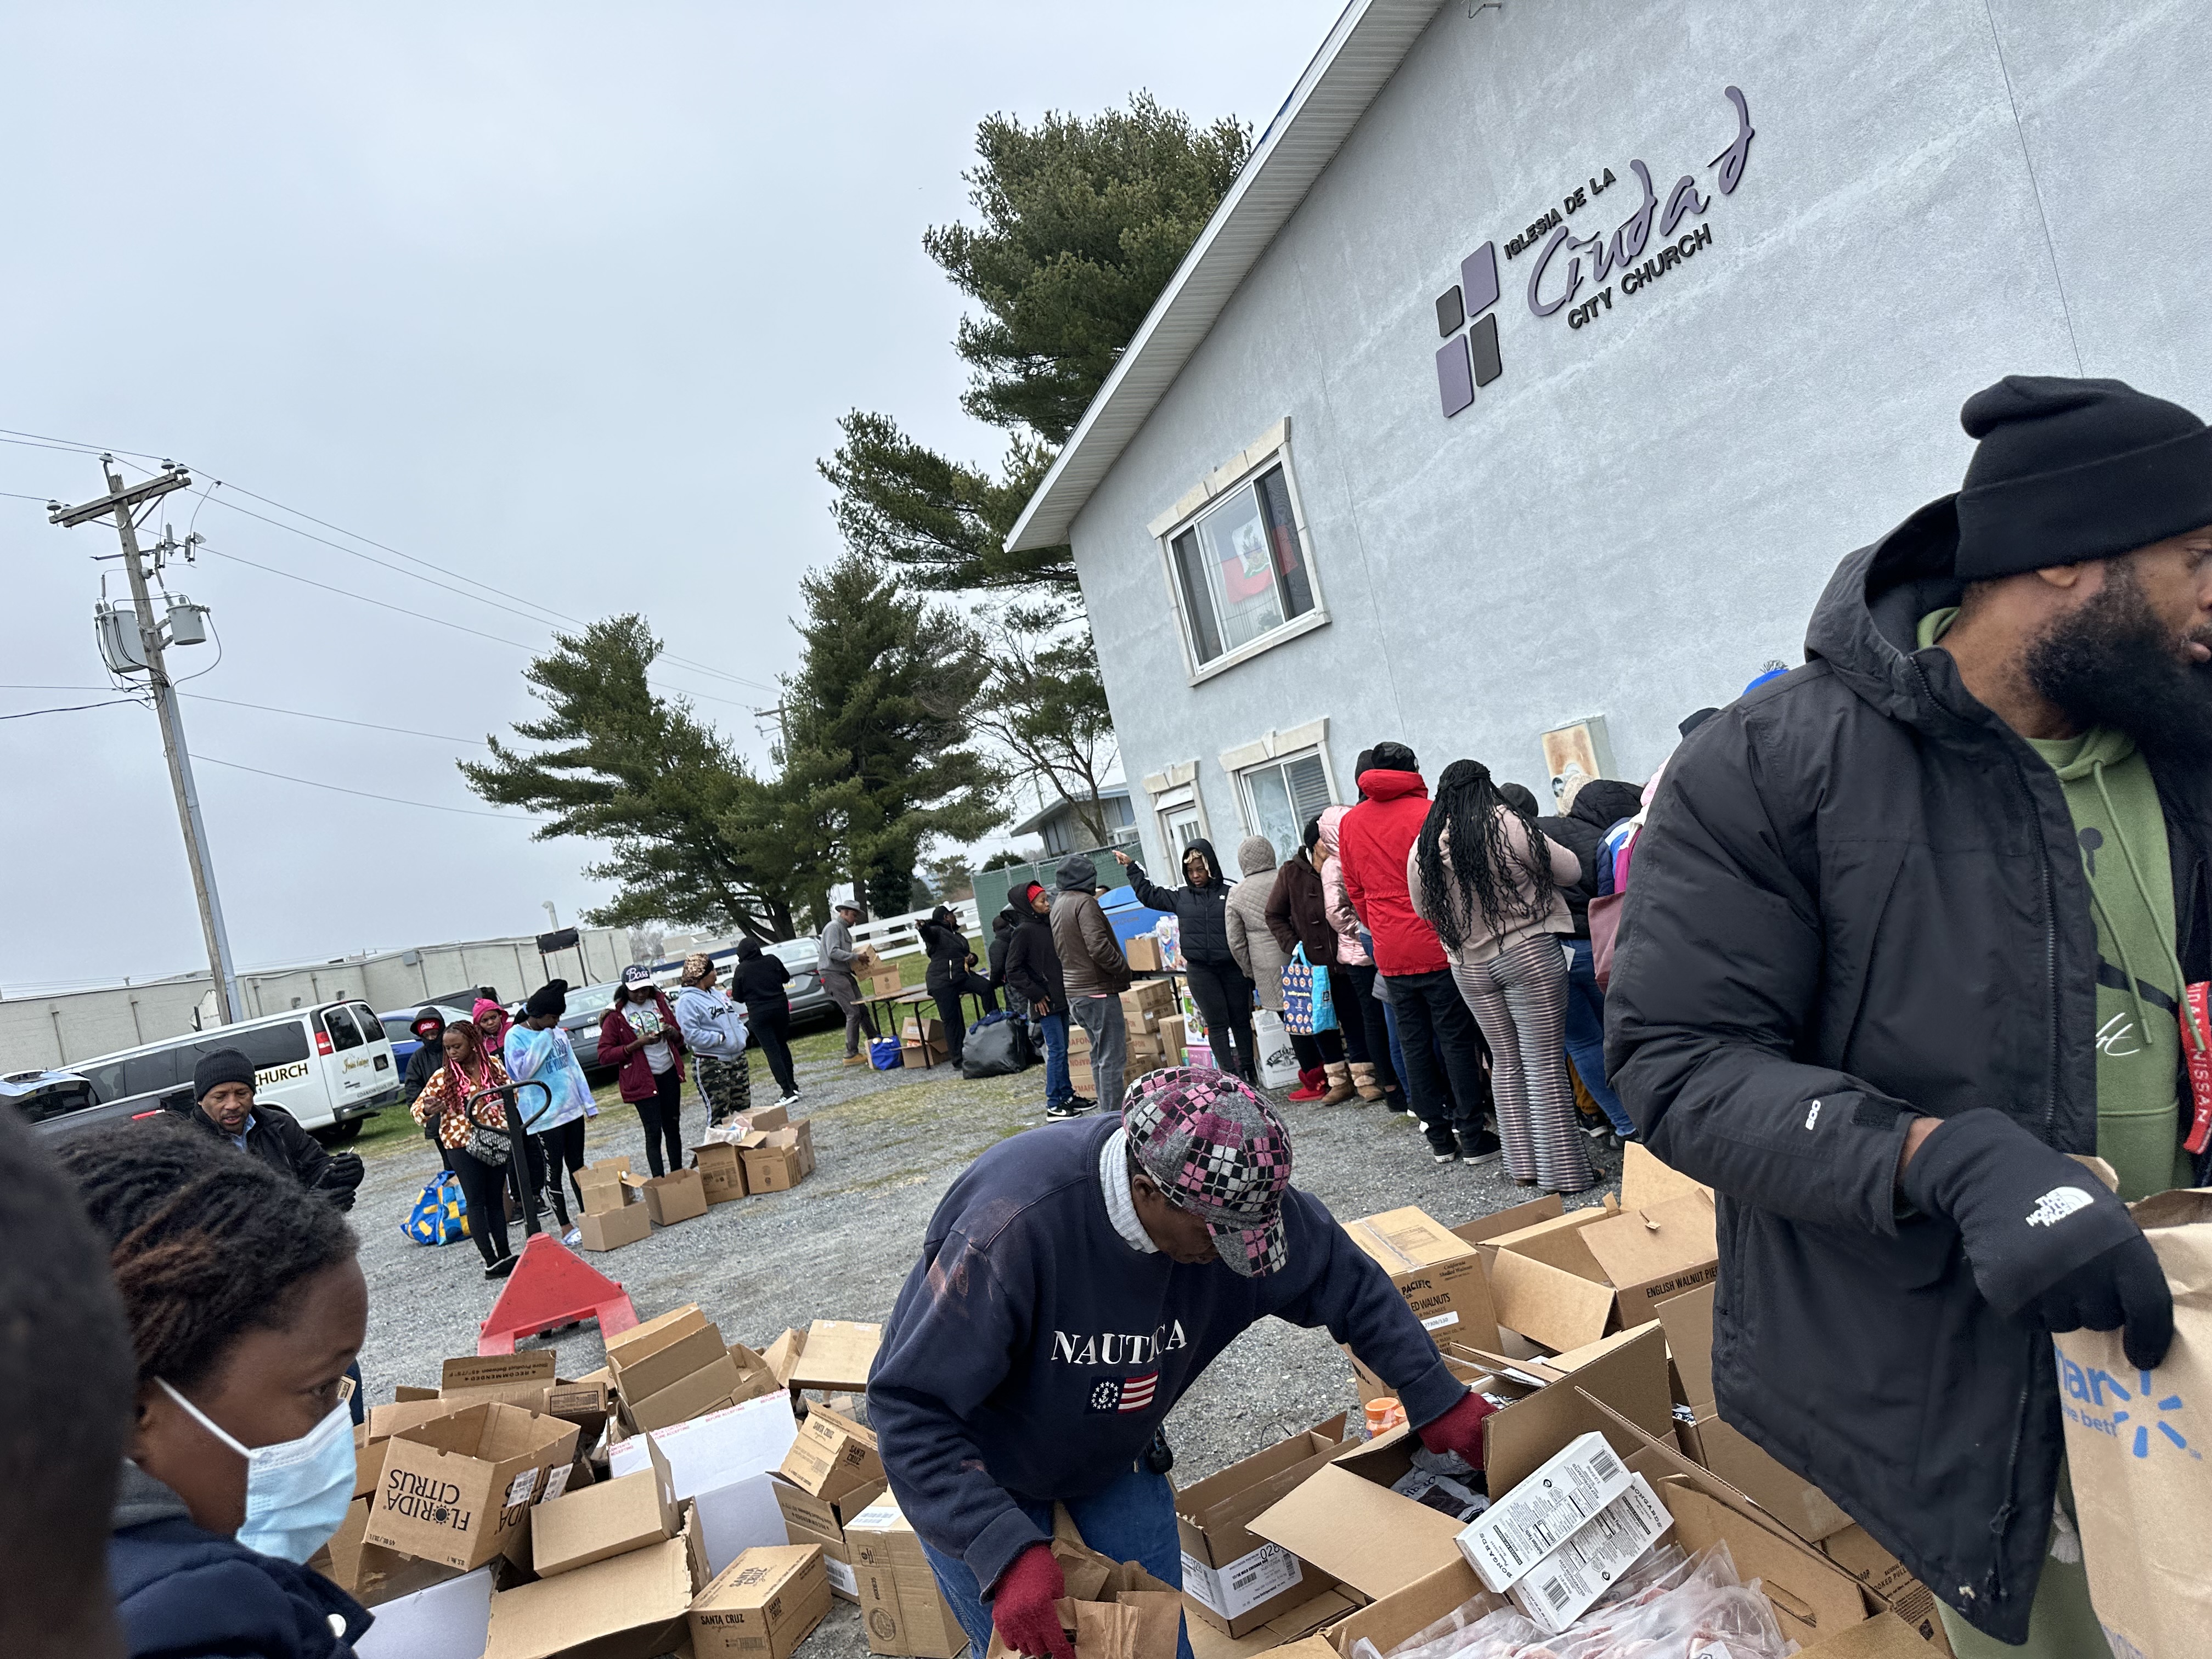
(563,300)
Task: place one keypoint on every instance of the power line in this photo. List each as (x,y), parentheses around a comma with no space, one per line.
(73,709)
(392,800)
(266,708)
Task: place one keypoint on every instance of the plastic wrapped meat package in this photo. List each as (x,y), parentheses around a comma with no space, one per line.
(1671,1606)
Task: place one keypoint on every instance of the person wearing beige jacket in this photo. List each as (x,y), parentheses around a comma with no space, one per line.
(1488,881)
(1251,941)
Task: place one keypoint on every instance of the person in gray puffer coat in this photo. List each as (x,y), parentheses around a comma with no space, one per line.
(1250,941)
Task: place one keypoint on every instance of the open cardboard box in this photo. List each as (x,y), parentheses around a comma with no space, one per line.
(832,1457)
(1440,1276)
(1232,1580)
(601,1183)
(836,1355)
(721,1169)
(522,1379)
(630,1606)
(901,1609)
(811,1520)
(574,1529)
(1567,1282)
(724,1462)
(457,1490)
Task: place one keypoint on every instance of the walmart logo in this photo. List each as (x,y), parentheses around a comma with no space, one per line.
(1468,359)
(2087,1389)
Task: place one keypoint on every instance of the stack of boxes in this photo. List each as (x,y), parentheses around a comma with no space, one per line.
(830,1475)
(673,1368)
(1147,1006)
(922,1042)
(614,1206)
(875,977)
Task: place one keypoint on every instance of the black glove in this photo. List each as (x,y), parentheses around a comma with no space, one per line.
(339,1178)
(2041,1231)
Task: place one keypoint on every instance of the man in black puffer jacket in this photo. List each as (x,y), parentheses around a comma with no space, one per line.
(1883,969)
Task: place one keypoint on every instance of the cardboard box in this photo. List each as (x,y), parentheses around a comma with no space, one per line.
(902,1610)
(811,1520)
(832,1457)
(1539,1514)
(776,1169)
(1569,1281)
(914,1029)
(339,1558)
(837,1354)
(720,1169)
(680,1196)
(1799,1504)
(630,1606)
(586,1404)
(1143,952)
(1173,1038)
(384,1421)
(1646,1183)
(1482,1229)
(601,1183)
(761,1606)
(1232,1580)
(709,1388)
(1345,1521)
(767,1118)
(1854,1550)
(630,1512)
(1440,1277)
(879,981)
(648,1357)
(449,1619)
(1148,999)
(522,1379)
(457,1491)
(609,1230)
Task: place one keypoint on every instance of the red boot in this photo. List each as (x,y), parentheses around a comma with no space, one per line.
(1313,1084)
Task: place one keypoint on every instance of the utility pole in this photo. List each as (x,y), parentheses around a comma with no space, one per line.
(120,502)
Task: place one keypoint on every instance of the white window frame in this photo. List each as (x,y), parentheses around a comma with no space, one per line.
(1271,448)
(1170,791)
(1273,749)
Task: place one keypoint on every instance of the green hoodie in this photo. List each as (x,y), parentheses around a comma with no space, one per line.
(2121,828)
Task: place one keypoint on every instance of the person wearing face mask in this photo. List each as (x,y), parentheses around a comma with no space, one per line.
(639,1035)
(1217,984)
(1074,1283)
(245,1308)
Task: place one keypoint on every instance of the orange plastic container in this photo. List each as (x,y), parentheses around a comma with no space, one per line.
(1383,1414)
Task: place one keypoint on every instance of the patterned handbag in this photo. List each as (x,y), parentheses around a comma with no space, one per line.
(1298,1008)
(441,1216)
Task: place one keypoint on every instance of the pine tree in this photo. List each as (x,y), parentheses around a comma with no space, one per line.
(698,840)
(878,718)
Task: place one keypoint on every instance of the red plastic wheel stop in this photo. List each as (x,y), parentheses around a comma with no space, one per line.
(549,1288)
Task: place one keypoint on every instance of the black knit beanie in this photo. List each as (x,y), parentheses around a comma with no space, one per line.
(2068,471)
(223,1066)
(549,1001)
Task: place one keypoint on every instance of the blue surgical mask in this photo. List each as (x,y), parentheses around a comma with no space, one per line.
(296,1491)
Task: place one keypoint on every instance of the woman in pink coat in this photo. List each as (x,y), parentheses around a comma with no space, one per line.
(1352,979)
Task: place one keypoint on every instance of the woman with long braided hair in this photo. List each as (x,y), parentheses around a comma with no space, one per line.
(246,1305)
(1487,880)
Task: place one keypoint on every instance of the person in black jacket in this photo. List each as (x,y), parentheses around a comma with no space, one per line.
(1033,975)
(1907,928)
(1002,930)
(951,977)
(1594,807)
(761,977)
(246,1309)
(222,1086)
(1218,985)
(429,1026)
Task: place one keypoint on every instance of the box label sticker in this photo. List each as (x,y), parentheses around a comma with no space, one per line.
(557,1482)
(1245,1583)
(842,1578)
(1438,1321)
(518,1492)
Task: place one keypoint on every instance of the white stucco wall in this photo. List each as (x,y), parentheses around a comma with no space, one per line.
(1639,513)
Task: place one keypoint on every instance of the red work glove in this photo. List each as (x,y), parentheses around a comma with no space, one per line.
(1022,1606)
(1460,1429)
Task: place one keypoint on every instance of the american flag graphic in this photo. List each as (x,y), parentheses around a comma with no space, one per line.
(1126,1394)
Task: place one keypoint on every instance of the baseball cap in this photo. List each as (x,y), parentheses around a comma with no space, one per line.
(637,974)
(1214,1146)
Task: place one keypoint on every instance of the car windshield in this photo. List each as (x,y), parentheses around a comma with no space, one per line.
(591,999)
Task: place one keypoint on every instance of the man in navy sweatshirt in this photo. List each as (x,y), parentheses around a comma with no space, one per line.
(1072,1285)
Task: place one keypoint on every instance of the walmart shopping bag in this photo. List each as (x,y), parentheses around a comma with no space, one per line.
(2138,1443)
(441,1216)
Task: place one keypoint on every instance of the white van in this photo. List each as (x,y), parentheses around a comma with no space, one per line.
(330,1066)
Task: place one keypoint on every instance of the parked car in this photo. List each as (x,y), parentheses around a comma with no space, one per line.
(809,1001)
(329,1065)
(582,1023)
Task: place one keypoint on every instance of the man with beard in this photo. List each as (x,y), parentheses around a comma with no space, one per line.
(1910,926)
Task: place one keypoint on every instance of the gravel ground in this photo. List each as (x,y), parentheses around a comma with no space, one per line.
(839,1246)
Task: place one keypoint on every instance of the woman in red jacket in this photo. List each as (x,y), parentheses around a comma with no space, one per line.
(639,1035)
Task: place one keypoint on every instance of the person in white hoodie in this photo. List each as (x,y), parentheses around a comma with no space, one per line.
(713,1029)
(538,1050)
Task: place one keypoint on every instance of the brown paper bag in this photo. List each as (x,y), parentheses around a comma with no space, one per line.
(2138,1445)
(1114,1609)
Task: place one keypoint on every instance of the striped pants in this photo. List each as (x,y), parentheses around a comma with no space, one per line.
(1519,998)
